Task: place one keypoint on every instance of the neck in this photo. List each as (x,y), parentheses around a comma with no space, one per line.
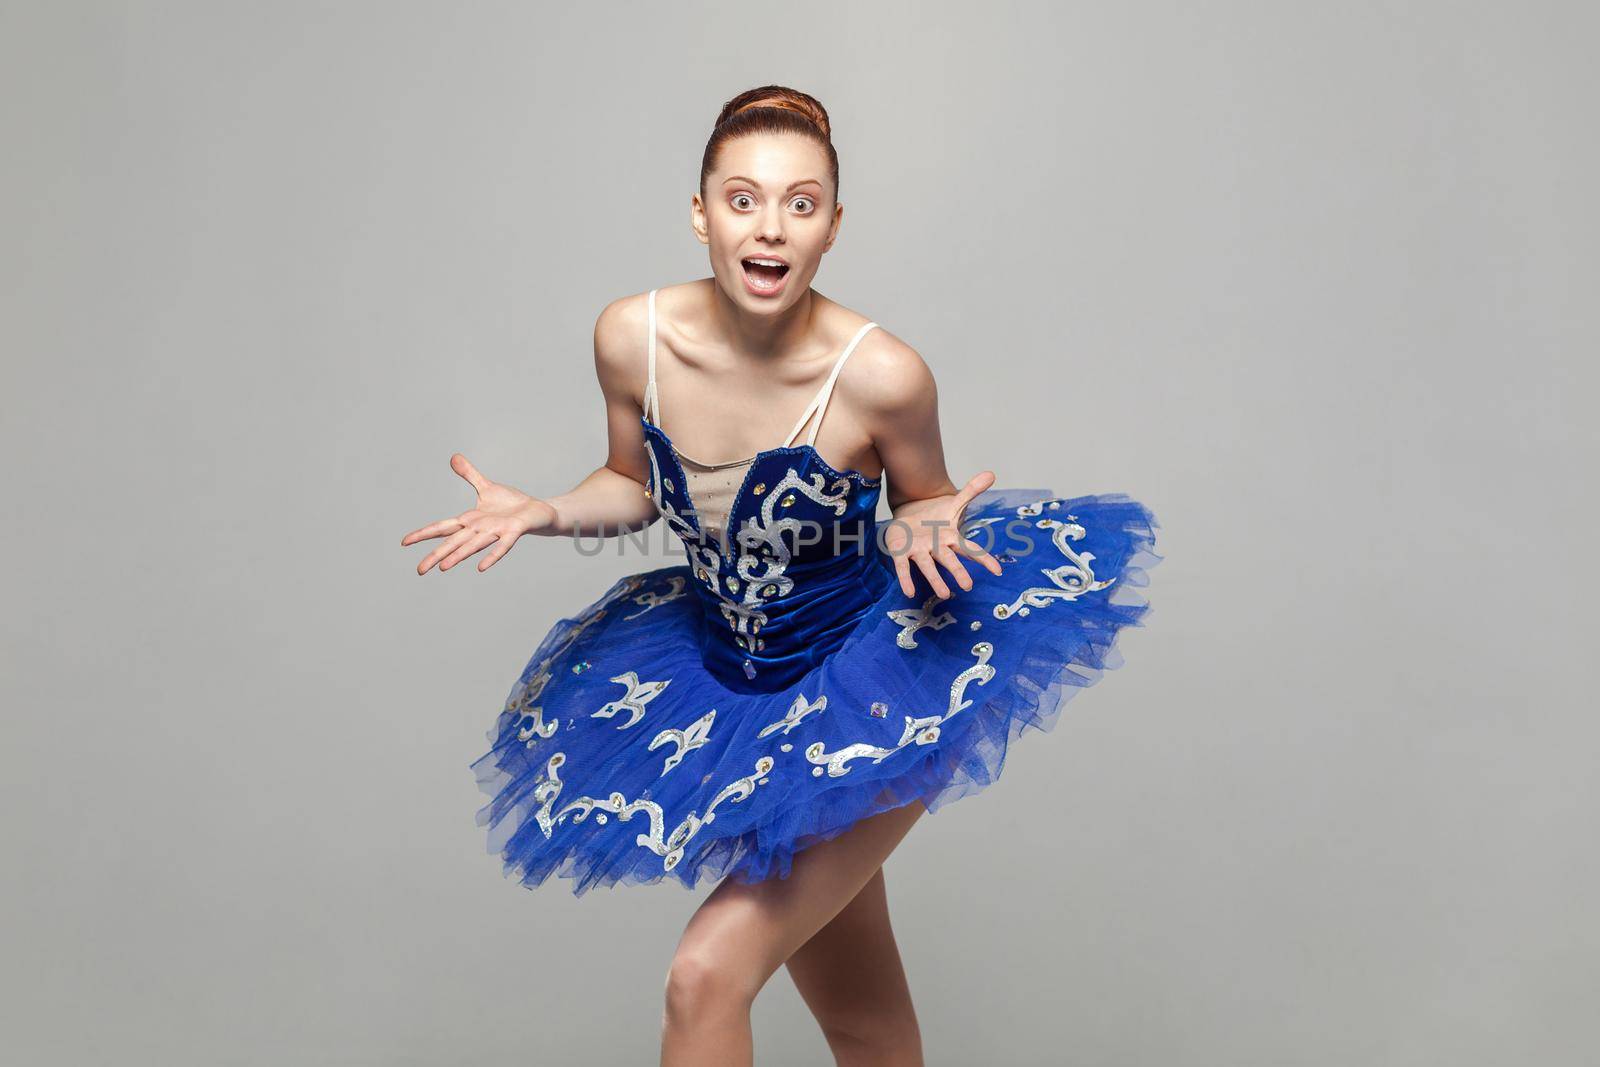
(769,337)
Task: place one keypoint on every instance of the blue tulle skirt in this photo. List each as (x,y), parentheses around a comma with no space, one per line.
(618,758)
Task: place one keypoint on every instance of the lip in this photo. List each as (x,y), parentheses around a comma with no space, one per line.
(752,289)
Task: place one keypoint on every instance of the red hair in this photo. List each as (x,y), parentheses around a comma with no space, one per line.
(771,109)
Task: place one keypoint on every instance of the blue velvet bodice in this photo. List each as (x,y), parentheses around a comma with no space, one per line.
(798,567)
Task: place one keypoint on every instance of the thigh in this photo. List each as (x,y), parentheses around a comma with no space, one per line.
(747,931)
(851,967)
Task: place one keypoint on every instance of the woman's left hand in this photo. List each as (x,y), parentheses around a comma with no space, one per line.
(928,532)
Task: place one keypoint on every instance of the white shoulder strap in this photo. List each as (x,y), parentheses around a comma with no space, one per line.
(651,399)
(819,403)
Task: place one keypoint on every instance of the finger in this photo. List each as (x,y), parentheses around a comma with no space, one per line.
(924,563)
(443,550)
(463,466)
(975,485)
(972,550)
(903,569)
(947,556)
(478,540)
(433,529)
(501,547)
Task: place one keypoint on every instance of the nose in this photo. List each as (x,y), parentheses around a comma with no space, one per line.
(772,224)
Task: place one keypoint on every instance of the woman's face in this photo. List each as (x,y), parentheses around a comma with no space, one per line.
(768,199)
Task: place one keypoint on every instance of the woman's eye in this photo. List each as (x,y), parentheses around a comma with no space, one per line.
(805,201)
(742,201)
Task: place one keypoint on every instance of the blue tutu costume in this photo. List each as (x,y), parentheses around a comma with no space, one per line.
(714,718)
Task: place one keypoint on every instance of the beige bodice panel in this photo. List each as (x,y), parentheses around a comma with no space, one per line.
(711,488)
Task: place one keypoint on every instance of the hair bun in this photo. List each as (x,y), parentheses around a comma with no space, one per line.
(782,98)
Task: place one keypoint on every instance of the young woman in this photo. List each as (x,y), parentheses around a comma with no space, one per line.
(776,713)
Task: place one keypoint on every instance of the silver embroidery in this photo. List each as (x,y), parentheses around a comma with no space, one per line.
(669,848)
(521,702)
(633,701)
(913,619)
(687,740)
(1071,580)
(762,545)
(536,727)
(795,715)
(676,587)
(669,514)
(923,730)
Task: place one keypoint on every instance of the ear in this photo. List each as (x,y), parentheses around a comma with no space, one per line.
(697,219)
(833,229)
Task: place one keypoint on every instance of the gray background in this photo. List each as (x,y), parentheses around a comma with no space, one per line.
(1314,281)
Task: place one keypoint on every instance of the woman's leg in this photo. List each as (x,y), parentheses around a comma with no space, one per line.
(851,977)
(741,934)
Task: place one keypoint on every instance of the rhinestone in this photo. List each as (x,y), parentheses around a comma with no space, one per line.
(816,772)
(601,818)
(647,491)
(761,781)
(788,498)
(759,488)
(1055,504)
(749,669)
(879,709)
(668,483)
(733,584)
(1006,557)
(1022,610)
(977,624)
(1000,612)
(581,666)
(704,778)
(786,747)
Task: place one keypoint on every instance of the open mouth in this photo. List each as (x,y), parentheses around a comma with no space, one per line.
(764,274)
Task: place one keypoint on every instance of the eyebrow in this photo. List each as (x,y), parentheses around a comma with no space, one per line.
(752,181)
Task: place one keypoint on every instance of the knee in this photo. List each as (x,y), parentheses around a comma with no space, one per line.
(701,986)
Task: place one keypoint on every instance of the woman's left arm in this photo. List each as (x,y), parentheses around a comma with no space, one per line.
(900,401)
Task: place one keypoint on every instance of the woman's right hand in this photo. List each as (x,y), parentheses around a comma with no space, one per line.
(502,515)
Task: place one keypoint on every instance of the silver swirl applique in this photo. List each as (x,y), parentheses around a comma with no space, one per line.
(913,619)
(676,587)
(633,701)
(687,740)
(919,730)
(668,846)
(1070,580)
(795,715)
(764,554)
(521,702)
(669,514)
(534,728)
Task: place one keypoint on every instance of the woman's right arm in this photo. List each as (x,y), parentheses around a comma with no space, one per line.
(609,502)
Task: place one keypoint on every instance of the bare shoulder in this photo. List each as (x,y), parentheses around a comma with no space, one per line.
(620,339)
(622,330)
(886,375)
